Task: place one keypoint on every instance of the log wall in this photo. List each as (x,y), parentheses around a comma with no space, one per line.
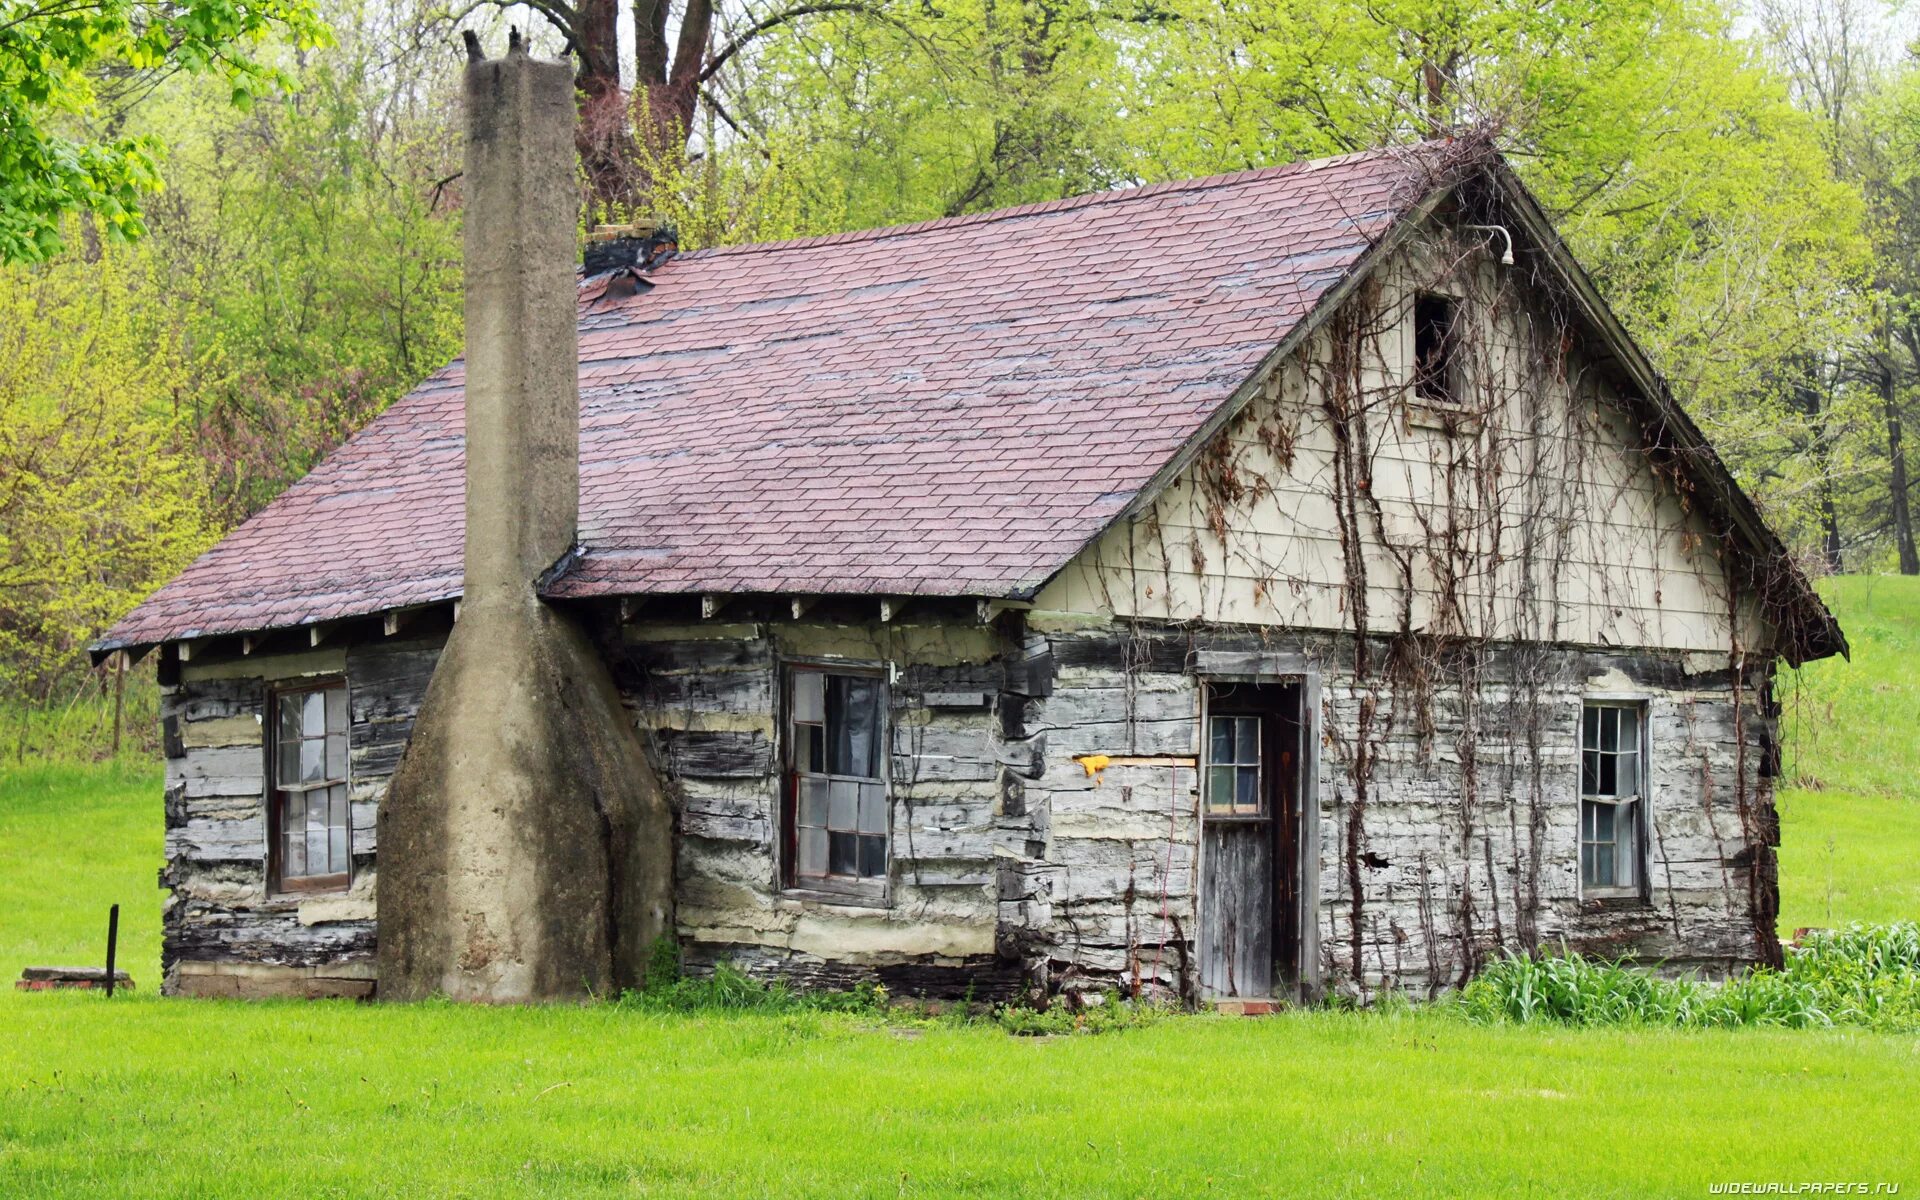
(1012,866)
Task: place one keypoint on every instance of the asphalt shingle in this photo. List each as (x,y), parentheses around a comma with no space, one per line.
(951,408)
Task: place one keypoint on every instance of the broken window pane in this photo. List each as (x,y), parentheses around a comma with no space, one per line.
(843,854)
(840,810)
(1434,343)
(853,719)
(873,857)
(309,811)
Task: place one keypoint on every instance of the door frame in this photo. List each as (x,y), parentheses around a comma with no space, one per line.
(1307,987)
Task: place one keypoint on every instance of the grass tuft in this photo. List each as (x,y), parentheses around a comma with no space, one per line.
(1863,975)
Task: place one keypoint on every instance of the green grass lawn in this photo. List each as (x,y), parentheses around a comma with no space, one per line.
(1850,825)
(147,1097)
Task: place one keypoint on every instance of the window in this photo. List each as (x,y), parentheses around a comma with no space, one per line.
(1610,799)
(836,789)
(1233,766)
(1435,342)
(307,821)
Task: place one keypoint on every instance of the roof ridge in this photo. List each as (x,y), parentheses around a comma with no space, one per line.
(1064,204)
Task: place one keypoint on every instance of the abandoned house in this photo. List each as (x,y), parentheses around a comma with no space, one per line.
(1288,582)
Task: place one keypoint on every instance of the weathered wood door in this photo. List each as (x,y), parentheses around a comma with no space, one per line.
(1250,838)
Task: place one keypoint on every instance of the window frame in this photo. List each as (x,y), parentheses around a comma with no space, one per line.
(1262,807)
(1637,826)
(278,882)
(1446,397)
(877,890)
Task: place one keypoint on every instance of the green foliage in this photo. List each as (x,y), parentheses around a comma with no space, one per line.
(101,495)
(730,990)
(53,58)
(1108,1014)
(1863,975)
(311,249)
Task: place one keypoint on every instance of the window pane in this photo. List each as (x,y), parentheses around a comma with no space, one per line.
(1587,876)
(809,702)
(1590,728)
(1249,738)
(313,714)
(336,709)
(813,802)
(1589,772)
(1629,728)
(1603,818)
(873,808)
(1609,729)
(1626,845)
(336,756)
(810,755)
(843,803)
(1220,787)
(873,857)
(313,766)
(289,725)
(1247,788)
(1222,747)
(1603,864)
(843,854)
(293,841)
(336,850)
(812,852)
(853,712)
(1627,773)
(288,754)
(1609,777)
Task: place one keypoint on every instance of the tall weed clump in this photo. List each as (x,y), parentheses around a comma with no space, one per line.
(1864,975)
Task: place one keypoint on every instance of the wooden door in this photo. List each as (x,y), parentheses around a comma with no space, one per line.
(1249,841)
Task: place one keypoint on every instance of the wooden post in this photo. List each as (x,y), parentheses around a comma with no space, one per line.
(119,695)
(113,944)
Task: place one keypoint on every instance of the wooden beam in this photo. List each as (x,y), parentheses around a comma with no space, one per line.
(988,610)
(185,648)
(319,632)
(890,607)
(456,612)
(801,604)
(250,642)
(630,607)
(710,606)
(396,619)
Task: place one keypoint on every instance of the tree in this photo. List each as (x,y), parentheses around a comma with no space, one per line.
(1833,53)
(101,499)
(57,57)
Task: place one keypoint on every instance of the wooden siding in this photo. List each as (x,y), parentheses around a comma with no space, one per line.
(1536,516)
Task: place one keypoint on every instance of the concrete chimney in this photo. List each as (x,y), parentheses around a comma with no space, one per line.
(524,843)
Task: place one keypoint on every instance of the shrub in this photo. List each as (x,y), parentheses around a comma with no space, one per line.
(1105,1015)
(729,989)
(1862,975)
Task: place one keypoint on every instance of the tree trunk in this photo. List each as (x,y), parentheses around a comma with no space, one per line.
(1896,453)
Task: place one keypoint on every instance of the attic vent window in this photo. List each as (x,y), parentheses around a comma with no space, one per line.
(1435,348)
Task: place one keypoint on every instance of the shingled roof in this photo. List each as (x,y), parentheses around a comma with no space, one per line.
(954,408)
(949,408)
